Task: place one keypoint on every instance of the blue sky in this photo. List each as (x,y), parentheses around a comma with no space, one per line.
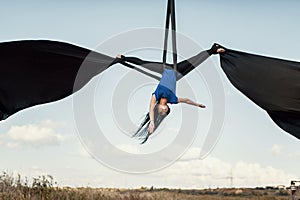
(251,146)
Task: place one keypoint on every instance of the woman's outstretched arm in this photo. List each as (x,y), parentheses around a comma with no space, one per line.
(151,113)
(188,101)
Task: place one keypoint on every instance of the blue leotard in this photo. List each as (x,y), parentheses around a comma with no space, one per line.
(167,87)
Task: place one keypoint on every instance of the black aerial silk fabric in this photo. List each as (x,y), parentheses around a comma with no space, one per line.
(183,68)
(271,83)
(41,71)
(35,72)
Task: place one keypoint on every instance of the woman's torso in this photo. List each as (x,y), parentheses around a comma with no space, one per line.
(167,87)
(168,80)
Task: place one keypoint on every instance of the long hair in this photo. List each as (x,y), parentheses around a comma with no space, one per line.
(142,132)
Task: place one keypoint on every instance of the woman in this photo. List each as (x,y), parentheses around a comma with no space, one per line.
(166,89)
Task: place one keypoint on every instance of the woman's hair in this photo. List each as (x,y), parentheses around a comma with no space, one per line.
(142,132)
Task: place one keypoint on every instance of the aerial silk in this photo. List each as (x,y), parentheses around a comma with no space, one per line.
(271,83)
(40,71)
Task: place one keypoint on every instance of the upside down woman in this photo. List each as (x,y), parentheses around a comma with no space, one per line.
(166,89)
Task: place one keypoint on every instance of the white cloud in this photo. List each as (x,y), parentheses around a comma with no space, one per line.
(12,145)
(215,172)
(35,135)
(191,172)
(276,149)
(256,174)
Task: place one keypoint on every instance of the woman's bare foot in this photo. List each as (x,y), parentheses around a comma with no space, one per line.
(215,49)
(220,50)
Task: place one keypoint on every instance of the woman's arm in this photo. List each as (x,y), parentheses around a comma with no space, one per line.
(151,112)
(188,101)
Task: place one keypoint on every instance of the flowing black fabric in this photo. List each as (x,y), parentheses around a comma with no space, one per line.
(170,14)
(271,83)
(40,71)
(183,68)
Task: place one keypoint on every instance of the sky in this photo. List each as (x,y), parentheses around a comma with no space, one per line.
(251,148)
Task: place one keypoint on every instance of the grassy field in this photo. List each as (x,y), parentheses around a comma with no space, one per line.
(43,187)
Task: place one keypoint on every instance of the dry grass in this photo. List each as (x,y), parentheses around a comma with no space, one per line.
(43,188)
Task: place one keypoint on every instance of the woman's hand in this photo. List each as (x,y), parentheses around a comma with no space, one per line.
(201,105)
(119,56)
(151,127)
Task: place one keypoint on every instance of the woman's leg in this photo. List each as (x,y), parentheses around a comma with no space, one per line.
(152,66)
(140,70)
(188,65)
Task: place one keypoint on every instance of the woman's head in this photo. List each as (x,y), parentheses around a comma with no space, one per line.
(160,112)
(163,107)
